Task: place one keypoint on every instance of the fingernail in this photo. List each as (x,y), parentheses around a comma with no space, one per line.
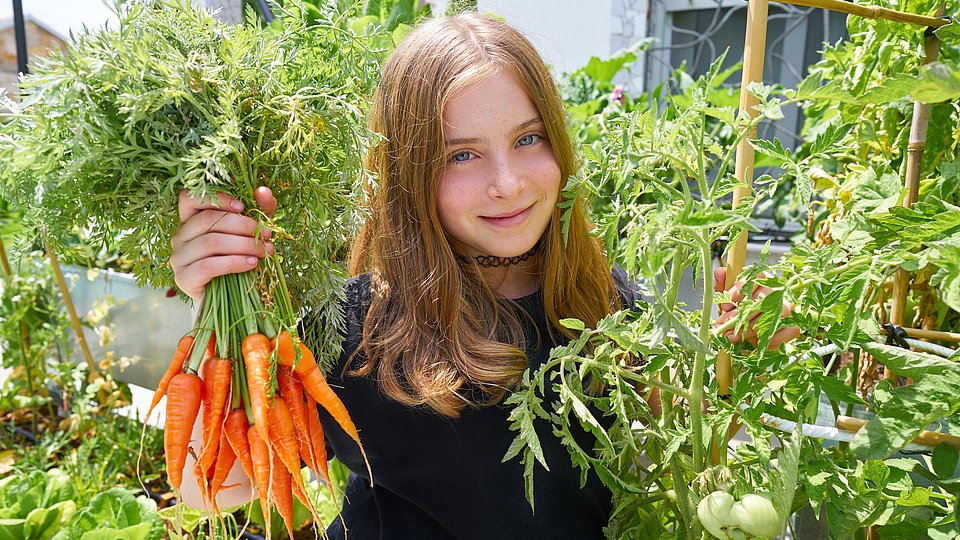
(267,233)
(269,246)
(236,205)
(252,261)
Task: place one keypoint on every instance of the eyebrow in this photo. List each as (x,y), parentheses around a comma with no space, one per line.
(472,140)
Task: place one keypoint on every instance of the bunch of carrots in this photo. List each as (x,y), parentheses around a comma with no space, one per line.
(256,390)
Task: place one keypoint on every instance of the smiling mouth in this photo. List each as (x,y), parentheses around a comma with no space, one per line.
(507,220)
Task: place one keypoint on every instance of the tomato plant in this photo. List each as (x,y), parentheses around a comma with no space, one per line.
(668,177)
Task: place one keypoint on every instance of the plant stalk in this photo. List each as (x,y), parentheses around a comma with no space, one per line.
(72,312)
(700,360)
(915,148)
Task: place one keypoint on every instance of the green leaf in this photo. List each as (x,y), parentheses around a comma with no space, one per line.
(784,482)
(771,308)
(944,460)
(949,33)
(773,149)
(403,11)
(903,412)
(831,136)
(947,278)
(835,389)
(360,24)
(938,82)
(584,415)
(573,324)
(912,364)
(603,71)
(877,472)
(876,191)
(116,510)
(141,531)
(522,420)
(892,89)
(400,32)
(916,496)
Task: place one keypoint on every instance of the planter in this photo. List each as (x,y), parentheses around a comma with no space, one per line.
(147,324)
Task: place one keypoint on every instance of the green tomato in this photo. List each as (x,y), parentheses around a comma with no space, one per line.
(729,519)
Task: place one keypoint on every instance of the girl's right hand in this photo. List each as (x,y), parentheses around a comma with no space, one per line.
(214,239)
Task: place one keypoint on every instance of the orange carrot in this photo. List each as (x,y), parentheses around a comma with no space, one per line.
(198,472)
(217,389)
(176,366)
(260,460)
(184,394)
(318,445)
(235,430)
(301,495)
(292,394)
(283,440)
(316,386)
(280,490)
(225,460)
(256,358)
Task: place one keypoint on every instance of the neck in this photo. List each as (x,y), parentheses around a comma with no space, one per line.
(514,281)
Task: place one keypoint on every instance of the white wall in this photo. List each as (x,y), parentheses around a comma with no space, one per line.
(566,32)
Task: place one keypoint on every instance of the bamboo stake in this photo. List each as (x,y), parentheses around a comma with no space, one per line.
(72,312)
(920,333)
(918,141)
(929,438)
(752,72)
(871,12)
(753,55)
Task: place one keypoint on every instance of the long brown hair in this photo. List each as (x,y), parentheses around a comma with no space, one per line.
(436,333)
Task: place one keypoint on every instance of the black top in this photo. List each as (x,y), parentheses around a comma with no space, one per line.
(442,478)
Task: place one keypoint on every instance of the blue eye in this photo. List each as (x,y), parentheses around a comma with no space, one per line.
(528,140)
(461,157)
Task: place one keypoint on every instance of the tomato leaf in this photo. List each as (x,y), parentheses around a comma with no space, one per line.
(938,82)
(944,460)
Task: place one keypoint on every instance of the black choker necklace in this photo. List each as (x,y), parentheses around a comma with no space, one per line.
(489,261)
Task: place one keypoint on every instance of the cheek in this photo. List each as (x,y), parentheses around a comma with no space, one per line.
(547,174)
(450,201)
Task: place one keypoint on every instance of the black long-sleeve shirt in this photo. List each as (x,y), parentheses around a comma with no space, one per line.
(442,478)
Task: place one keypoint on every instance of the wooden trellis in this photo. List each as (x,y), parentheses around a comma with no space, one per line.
(753,60)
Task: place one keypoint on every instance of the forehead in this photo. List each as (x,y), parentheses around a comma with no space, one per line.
(490,105)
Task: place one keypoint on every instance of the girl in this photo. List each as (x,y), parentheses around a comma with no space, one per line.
(462,276)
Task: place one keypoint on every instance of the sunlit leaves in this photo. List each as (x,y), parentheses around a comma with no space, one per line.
(939,82)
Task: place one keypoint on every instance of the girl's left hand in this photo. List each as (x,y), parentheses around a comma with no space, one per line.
(729,310)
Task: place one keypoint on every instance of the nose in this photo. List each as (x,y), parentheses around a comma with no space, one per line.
(506,179)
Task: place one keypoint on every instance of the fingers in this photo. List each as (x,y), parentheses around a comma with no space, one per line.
(215,239)
(782,336)
(265,200)
(218,222)
(193,278)
(720,279)
(189,206)
(187,251)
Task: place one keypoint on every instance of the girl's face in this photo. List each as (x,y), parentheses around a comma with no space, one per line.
(500,185)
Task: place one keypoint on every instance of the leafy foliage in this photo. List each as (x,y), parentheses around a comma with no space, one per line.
(175,100)
(664,179)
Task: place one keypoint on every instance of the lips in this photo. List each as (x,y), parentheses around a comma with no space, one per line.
(508,219)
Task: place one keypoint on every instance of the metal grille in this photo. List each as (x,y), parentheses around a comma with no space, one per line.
(696,32)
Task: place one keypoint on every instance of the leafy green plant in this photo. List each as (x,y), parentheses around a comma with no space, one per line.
(669,174)
(208,109)
(34,506)
(112,515)
(33,332)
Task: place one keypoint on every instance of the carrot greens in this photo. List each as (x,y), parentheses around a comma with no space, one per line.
(109,133)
